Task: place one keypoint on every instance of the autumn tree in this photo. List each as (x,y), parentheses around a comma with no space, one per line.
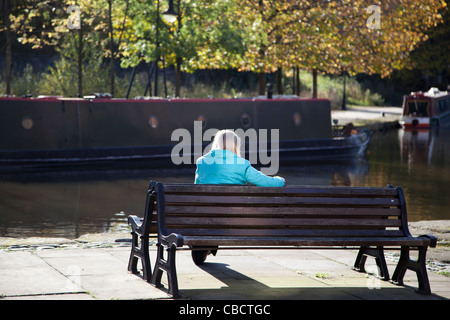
(203,36)
(59,24)
(101,24)
(145,33)
(19,17)
(333,36)
(359,37)
(430,59)
(386,47)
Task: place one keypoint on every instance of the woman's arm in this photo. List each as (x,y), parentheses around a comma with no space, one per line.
(261,180)
(196,181)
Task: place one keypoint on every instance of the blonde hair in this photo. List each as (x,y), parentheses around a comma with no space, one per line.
(227,140)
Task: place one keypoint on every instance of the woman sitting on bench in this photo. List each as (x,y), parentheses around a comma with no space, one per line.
(224,165)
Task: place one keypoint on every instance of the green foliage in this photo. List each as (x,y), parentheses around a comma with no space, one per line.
(62,78)
(23,83)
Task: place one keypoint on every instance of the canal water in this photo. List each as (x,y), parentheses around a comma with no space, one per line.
(70,204)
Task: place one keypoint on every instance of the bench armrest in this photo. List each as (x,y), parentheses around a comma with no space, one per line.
(433,239)
(172,239)
(135,223)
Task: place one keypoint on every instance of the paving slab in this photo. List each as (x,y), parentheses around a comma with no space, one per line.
(102,272)
(25,274)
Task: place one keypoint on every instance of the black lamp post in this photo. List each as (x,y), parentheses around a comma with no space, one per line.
(170,15)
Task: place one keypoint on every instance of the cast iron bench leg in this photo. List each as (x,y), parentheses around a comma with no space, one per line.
(378,254)
(140,252)
(147,270)
(168,266)
(132,262)
(157,271)
(419,266)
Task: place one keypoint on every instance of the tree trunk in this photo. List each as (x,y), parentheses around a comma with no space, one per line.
(6,11)
(280,80)
(80,62)
(164,76)
(157,49)
(178,77)
(261,83)
(343,96)
(8,63)
(111,43)
(178,60)
(314,89)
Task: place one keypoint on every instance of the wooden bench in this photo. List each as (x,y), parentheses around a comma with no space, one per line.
(204,217)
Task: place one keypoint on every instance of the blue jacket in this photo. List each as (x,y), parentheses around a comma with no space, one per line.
(225,167)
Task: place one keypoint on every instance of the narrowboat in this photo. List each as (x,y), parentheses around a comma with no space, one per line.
(55,132)
(422,110)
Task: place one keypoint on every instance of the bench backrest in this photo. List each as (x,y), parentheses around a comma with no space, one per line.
(293,211)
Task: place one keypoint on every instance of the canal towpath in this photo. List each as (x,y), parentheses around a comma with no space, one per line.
(94,267)
(368,116)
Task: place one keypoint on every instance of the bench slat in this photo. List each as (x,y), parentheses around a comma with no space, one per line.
(287,232)
(270,191)
(290,211)
(275,201)
(219,222)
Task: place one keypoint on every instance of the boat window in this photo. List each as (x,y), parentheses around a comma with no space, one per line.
(153,122)
(202,118)
(27,123)
(418,108)
(245,120)
(297,118)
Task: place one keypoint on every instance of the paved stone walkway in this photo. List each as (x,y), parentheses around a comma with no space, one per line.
(101,273)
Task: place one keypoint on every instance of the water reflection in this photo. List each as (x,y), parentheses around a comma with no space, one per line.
(69,204)
(418,147)
(419,161)
(334,173)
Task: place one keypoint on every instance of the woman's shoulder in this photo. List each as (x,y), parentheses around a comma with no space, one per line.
(205,158)
(236,159)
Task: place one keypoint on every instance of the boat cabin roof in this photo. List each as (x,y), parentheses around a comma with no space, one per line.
(432,93)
